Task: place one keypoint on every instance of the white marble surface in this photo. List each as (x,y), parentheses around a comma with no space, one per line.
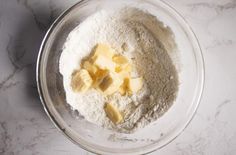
(26,130)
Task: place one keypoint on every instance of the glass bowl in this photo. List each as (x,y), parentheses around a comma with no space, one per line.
(100,140)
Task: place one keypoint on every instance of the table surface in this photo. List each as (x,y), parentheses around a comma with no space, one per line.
(25,128)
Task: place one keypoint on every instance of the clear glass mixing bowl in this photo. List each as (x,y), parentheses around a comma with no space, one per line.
(97,139)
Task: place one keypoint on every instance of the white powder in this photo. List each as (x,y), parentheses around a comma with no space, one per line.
(142,38)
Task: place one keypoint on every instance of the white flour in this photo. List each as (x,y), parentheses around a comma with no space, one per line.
(135,34)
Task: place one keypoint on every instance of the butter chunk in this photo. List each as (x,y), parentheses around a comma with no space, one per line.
(113,113)
(134,84)
(110,84)
(120,59)
(90,68)
(122,89)
(125,72)
(104,63)
(121,62)
(81,81)
(99,76)
(104,50)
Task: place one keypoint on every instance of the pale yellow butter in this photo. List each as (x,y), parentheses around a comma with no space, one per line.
(113,113)
(107,73)
(125,72)
(99,76)
(103,62)
(134,84)
(123,89)
(120,59)
(90,68)
(110,84)
(81,81)
(104,50)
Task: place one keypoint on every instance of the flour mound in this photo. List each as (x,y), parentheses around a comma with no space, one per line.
(147,42)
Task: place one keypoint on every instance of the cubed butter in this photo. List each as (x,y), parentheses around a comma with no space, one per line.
(104,63)
(134,84)
(113,113)
(81,81)
(90,68)
(128,68)
(99,76)
(122,63)
(124,72)
(107,73)
(110,84)
(104,50)
(123,88)
(120,60)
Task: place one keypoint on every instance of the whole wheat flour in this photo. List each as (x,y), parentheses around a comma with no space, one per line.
(140,37)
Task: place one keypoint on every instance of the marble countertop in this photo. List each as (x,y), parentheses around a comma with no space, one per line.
(25,128)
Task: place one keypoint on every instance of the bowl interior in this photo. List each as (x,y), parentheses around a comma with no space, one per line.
(97,139)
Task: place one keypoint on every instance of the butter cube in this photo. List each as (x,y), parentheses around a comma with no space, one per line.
(125,72)
(123,66)
(122,89)
(134,84)
(99,76)
(120,60)
(113,113)
(104,50)
(90,68)
(128,68)
(104,63)
(110,84)
(81,81)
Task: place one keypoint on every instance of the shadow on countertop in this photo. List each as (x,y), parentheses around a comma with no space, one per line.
(24,126)
(24,44)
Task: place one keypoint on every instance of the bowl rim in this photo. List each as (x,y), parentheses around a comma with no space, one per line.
(62,130)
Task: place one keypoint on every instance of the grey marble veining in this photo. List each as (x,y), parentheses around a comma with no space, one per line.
(26,130)
(213,5)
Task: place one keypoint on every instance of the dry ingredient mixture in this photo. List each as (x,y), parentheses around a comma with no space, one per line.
(145,41)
